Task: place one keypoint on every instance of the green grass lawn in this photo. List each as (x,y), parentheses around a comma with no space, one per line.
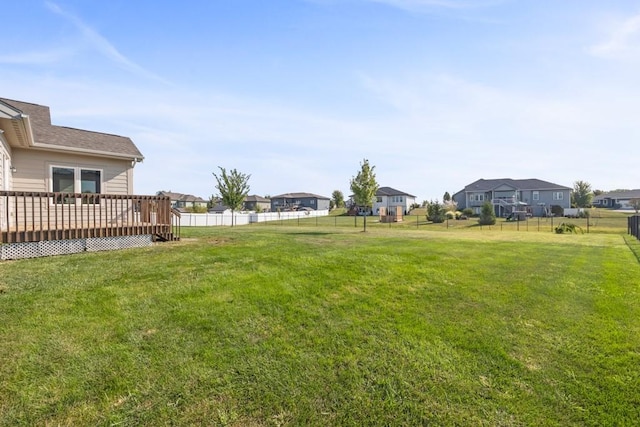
(322,325)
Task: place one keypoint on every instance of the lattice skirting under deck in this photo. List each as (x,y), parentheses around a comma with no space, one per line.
(74,246)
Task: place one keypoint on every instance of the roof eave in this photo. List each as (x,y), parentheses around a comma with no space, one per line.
(77,150)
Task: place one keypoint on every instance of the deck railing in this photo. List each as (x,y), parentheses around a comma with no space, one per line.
(37,216)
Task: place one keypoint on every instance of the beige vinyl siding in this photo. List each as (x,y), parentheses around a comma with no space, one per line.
(33,170)
(5,164)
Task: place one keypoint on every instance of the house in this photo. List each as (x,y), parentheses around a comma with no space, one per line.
(391,199)
(616,199)
(219,208)
(60,184)
(184,201)
(533,196)
(255,203)
(296,201)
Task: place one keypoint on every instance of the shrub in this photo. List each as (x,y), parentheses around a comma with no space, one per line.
(196,209)
(487,215)
(467,212)
(435,212)
(568,228)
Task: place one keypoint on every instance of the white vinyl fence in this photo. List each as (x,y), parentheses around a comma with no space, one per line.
(243,218)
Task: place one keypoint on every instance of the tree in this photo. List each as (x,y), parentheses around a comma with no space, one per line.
(436,212)
(212,202)
(446,197)
(635,204)
(364,187)
(487,214)
(581,196)
(337,198)
(233,188)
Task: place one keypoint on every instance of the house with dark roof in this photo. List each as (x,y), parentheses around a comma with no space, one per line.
(59,183)
(184,201)
(298,201)
(255,203)
(392,200)
(616,199)
(44,157)
(532,196)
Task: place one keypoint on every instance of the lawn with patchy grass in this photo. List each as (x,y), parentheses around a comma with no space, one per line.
(324,326)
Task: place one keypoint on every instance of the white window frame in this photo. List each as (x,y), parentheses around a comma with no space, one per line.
(558,195)
(535,195)
(477,197)
(77,179)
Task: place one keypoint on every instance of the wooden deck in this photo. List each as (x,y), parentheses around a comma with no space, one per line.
(43,216)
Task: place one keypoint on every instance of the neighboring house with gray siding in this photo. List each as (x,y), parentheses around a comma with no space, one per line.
(534,196)
(297,201)
(616,199)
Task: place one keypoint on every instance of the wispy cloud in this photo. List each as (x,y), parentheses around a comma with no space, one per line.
(36,58)
(102,45)
(623,42)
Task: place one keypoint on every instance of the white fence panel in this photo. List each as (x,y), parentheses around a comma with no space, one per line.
(243,218)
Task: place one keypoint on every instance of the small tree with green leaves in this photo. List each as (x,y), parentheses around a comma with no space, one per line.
(446,197)
(364,187)
(635,204)
(337,199)
(233,188)
(487,214)
(581,196)
(436,212)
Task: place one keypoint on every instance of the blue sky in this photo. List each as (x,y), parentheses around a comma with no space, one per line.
(434,93)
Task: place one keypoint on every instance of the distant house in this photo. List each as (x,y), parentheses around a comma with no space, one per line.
(616,199)
(297,201)
(253,202)
(184,201)
(392,199)
(533,196)
(220,208)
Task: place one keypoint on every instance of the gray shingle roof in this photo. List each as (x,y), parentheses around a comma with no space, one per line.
(299,196)
(179,197)
(256,198)
(520,184)
(46,133)
(625,194)
(388,191)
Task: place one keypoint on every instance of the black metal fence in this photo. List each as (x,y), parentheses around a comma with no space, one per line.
(634,226)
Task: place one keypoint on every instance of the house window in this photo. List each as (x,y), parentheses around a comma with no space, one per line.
(378,199)
(558,195)
(76,180)
(476,197)
(536,195)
